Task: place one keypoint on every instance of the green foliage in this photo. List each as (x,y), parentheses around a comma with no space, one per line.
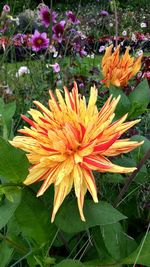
(7,112)
(32,211)
(13,163)
(6,253)
(121,244)
(68,263)
(140,99)
(124,104)
(8,206)
(101,213)
(142,254)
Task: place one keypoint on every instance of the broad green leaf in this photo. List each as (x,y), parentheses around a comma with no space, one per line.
(144,253)
(13,163)
(140,99)
(102,213)
(6,253)
(7,207)
(118,244)
(69,263)
(98,263)
(124,104)
(34,219)
(100,245)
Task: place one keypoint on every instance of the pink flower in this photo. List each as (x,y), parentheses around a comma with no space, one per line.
(104,13)
(72,18)
(39,41)
(6,8)
(56,67)
(46,15)
(102,48)
(58,31)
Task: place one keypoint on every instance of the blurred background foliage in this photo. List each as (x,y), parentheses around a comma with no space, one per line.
(20,5)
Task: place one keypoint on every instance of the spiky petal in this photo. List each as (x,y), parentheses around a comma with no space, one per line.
(70,139)
(118,71)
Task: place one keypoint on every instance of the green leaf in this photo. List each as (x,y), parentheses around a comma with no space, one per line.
(7,111)
(102,213)
(124,104)
(98,263)
(118,244)
(13,163)
(140,99)
(8,207)
(100,245)
(69,263)
(144,255)
(6,253)
(34,219)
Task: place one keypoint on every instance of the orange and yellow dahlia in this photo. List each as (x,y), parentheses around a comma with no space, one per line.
(118,71)
(69,140)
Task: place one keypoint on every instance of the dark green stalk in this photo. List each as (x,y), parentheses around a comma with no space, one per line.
(131,178)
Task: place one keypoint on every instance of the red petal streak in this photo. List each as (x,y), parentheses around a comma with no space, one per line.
(27,134)
(69,97)
(44,120)
(54,99)
(106,145)
(42,110)
(28,120)
(42,176)
(95,162)
(83,130)
(48,148)
(92,179)
(84,166)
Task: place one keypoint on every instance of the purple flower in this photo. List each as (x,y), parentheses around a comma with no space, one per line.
(19,38)
(102,48)
(81,85)
(56,67)
(72,18)
(6,8)
(79,49)
(46,16)
(104,13)
(39,41)
(58,31)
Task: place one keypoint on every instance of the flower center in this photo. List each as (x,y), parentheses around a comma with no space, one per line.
(39,41)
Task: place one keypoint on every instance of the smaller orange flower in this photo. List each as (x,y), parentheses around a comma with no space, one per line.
(118,71)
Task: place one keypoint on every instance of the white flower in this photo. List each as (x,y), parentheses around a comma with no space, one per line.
(139,53)
(143,25)
(124,33)
(133,37)
(55,54)
(22,70)
(17,21)
(92,55)
(102,48)
(111,24)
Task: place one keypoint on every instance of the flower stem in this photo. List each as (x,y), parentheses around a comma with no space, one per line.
(15,245)
(116,24)
(131,178)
